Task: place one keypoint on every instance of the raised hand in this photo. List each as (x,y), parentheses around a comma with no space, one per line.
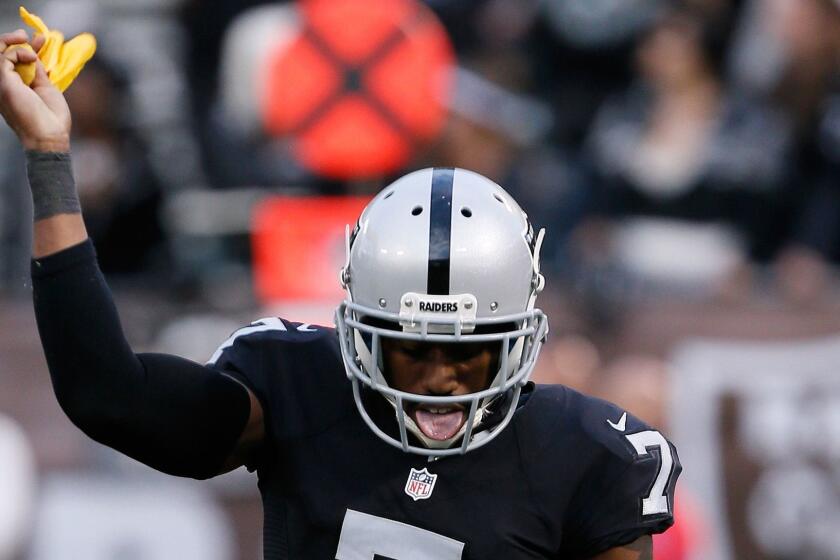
(37,113)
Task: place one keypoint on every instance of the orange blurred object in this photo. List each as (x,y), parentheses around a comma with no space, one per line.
(298,246)
(362,87)
(688,537)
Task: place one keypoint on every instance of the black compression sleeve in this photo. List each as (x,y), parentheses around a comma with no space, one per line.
(170,413)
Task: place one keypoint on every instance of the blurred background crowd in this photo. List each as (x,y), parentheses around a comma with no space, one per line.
(683,156)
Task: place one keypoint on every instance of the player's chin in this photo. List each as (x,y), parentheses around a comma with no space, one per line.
(438,422)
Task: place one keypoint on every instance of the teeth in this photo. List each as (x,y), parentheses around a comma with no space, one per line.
(440,410)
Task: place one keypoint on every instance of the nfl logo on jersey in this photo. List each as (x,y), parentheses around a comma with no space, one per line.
(420,484)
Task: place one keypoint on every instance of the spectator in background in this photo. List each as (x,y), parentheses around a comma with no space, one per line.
(571,360)
(809,92)
(638,384)
(117,188)
(681,166)
(589,44)
(499,130)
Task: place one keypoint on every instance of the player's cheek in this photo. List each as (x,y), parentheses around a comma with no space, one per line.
(476,373)
(402,374)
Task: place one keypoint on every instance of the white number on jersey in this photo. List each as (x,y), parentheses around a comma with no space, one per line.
(365,536)
(657,501)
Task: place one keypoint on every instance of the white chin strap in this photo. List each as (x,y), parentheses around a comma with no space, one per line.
(481,411)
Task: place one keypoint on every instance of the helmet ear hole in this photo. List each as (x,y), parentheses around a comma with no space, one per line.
(417,210)
(466,212)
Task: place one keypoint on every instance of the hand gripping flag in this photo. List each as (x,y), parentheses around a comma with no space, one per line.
(62,60)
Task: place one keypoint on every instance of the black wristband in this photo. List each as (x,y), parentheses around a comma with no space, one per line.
(51,181)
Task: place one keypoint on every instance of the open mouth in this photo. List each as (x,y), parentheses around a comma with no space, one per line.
(438,422)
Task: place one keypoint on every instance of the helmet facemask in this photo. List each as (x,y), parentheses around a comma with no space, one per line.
(361,346)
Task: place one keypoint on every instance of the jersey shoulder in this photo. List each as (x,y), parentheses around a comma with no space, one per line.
(294,369)
(598,426)
(618,473)
(270,334)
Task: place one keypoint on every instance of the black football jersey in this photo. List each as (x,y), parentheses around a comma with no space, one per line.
(570,477)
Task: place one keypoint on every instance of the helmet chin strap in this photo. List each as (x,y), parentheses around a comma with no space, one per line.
(363,352)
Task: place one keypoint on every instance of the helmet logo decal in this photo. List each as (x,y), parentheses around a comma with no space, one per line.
(440,230)
(439,314)
(420,484)
(438,307)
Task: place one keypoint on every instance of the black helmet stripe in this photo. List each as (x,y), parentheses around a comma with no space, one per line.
(440,230)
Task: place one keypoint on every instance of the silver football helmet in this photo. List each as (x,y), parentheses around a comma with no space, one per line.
(442,255)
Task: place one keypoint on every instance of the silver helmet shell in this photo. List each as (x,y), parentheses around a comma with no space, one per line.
(442,254)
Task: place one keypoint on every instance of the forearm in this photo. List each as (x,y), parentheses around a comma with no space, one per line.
(57,233)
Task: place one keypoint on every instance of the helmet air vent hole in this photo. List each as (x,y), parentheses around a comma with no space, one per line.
(388,195)
(416,211)
(498,198)
(466,212)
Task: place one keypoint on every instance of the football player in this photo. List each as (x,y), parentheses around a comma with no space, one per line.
(409,431)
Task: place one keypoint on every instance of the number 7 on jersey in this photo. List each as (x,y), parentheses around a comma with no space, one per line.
(656,502)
